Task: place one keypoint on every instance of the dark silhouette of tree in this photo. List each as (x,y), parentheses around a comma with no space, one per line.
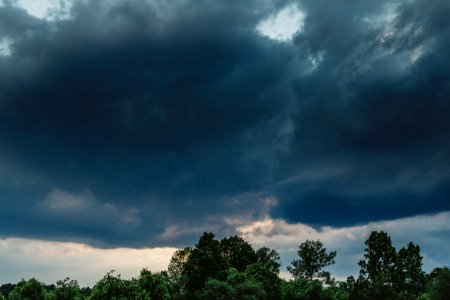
(270,258)
(313,257)
(386,274)
(238,252)
(377,269)
(205,261)
(410,280)
(439,286)
(216,290)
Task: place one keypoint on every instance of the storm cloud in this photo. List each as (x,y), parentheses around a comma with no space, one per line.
(144,123)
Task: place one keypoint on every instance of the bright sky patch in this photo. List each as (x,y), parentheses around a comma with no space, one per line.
(5,47)
(283,25)
(45,8)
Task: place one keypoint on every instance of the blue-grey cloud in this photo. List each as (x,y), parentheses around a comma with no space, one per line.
(130,119)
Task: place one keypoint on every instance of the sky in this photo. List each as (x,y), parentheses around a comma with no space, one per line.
(129,128)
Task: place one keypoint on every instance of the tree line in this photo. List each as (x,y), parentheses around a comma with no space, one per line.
(231,269)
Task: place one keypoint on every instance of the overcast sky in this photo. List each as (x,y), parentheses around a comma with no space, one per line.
(131,127)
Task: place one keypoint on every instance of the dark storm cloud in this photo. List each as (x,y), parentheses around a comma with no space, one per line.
(134,117)
(165,109)
(371,135)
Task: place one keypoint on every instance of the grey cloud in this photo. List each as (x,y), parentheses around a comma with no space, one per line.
(182,115)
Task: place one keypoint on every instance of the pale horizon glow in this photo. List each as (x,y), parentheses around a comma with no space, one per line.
(52,261)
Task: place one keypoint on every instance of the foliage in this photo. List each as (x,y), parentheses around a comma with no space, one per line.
(299,289)
(250,290)
(111,287)
(388,274)
(7,288)
(153,285)
(216,290)
(270,258)
(238,252)
(313,257)
(264,273)
(30,289)
(205,261)
(66,290)
(175,270)
(410,279)
(439,288)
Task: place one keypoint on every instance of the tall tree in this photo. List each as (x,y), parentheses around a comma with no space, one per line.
(176,272)
(377,275)
(411,280)
(313,257)
(205,261)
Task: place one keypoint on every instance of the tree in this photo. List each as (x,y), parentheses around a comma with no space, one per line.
(175,270)
(439,288)
(238,252)
(270,258)
(270,281)
(250,290)
(66,290)
(378,276)
(7,288)
(155,285)
(410,280)
(303,290)
(110,287)
(216,290)
(205,261)
(177,262)
(30,289)
(313,257)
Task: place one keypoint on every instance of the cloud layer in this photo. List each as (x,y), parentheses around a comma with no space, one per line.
(143,123)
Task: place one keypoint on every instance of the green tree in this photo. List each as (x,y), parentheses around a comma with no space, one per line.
(66,290)
(176,273)
(410,280)
(7,288)
(238,252)
(216,290)
(111,287)
(377,276)
(155,285)
(270,258)
(439,287)
(313,257)
(270,281)
(30,289)
(205,261)
(250,290)
(300,289)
